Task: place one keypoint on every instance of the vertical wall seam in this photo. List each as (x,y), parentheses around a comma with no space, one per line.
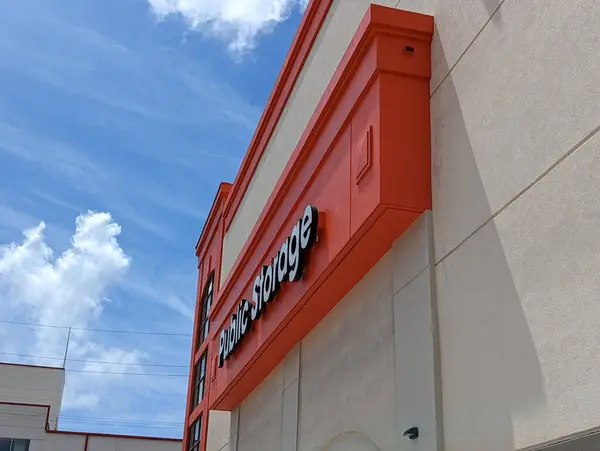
(291,443)
(435,331)
(299,397)
(283,390)
(237,428)
(394,342)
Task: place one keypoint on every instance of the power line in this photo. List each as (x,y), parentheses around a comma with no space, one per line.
(116,426)
(69,370)
(109,331)
(126,374)
(31,356)
(116,422)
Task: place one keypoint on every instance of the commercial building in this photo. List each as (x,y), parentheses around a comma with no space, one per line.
(30,400)
(408,258)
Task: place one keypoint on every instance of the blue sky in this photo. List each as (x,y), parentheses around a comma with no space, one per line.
(118,120)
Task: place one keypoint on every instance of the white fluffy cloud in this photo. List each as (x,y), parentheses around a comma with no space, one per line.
(239,22)
(68,290)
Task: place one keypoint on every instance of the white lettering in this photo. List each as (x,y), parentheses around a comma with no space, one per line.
(286,265)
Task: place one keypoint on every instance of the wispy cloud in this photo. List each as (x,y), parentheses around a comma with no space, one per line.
(165,293)
(95,85)
(238,22)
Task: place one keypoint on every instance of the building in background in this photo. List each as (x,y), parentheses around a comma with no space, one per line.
(30,399)
(408,258)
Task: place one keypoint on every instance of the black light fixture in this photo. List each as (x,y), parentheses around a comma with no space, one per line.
(412,433)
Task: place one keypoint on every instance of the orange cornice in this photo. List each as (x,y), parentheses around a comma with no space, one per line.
(377,21)
(364,160)
(213,216)
(304,39)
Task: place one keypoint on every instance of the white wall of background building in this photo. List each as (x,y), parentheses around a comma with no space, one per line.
(30,399)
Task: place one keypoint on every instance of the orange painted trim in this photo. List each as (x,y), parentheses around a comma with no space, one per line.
(309,28)
(208,250)
(212,221)
(364,161)
(377,20)
(86,434)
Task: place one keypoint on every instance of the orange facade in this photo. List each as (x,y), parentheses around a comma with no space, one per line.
(363,163)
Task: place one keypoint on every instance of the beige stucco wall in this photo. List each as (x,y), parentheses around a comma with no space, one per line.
(128,444)
(457,23)
(60,442)
(515,115)
(33,385)
(323,59)
(355,383)
(520,316)
(219,427)
(516,240)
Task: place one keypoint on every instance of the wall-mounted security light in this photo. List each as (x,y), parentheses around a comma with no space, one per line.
(412,433)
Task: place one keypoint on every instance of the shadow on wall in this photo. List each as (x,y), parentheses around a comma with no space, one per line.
(440,65)
(491,374)
(493,9)
(351,441)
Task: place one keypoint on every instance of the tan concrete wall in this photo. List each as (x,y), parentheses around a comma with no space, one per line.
(127,444)
(60,442)
(33,385)
(457,23)
(330,45)
(520,318)
(515,235)
(365,374)
(219,430)
(515,120)
(70,442)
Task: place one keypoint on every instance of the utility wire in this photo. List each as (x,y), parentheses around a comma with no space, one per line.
(99,421)
(83,419)
(70,370)
(93,361)
(128,426)
(109,331)
(126,374)
(118,420)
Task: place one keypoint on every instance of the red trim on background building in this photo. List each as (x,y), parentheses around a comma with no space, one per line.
(116,436)
(86,434)
(364,162)
(309,28)
(25,365)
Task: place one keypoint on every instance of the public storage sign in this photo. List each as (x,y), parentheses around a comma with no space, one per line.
(364,160)
(286,265)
